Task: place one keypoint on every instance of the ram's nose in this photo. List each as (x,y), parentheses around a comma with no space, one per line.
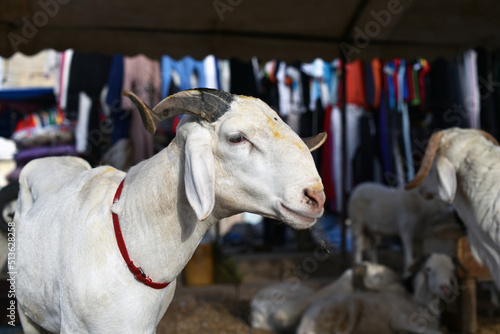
(315,198)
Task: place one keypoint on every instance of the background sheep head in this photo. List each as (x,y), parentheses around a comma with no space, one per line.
(436,177)
(239,156)
(436,278)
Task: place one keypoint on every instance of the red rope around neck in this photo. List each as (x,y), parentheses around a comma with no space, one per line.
(139,274)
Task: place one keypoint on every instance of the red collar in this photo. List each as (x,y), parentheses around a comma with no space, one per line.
(139,274)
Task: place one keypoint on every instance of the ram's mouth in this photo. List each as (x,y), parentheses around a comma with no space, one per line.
(296,218)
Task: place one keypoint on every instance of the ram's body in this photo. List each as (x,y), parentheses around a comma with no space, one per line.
(388,308)
(279,307)
(462,167)
(382,312)
(376,210)
(71,276)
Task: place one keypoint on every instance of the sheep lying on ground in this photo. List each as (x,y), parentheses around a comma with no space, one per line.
(367,313)
(388,310)
(279,307)
(375,210)
(462,167)
(99,250)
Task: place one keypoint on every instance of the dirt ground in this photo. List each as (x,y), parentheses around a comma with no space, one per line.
(206,310)
(226,311)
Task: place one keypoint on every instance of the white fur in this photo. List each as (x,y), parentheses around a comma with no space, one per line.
(367,313)
(375,210)
(389,308)
(280,306)
(71,277)
(466,173)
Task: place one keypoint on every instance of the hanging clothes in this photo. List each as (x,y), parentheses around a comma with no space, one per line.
(326,167)
(487,114)
(211,68)
(468,74)
(62,98)
(185,69)
(298,103)
(338,177)
(120,117)
(319,71)
(333,82)
(224,74)
(445,98)
(403,109)
(87,78)
(269,85)
(1,72)
(243,80)
(377,67)
(355,84)
(284,90)
(141,75)
(369,80)
(385,138)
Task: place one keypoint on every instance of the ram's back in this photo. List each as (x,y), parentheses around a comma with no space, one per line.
(65,219)
(46,176)
(373,202)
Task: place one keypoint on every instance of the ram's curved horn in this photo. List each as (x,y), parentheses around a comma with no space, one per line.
(314,142)
(209,104)
(488,136)
(425,167)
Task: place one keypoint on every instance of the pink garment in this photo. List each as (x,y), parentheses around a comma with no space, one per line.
(141,75)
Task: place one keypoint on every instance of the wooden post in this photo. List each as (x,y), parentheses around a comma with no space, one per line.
(469,306)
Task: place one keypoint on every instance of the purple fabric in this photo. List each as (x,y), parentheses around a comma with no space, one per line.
(385,148)
(25,156)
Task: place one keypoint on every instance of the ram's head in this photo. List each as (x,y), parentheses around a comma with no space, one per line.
(437,177)
(239,155)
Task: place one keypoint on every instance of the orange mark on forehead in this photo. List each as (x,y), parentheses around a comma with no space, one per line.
(274,129)
(276,133)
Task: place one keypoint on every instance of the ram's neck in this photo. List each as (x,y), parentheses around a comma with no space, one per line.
(159,227)
(476,202)
(477,187)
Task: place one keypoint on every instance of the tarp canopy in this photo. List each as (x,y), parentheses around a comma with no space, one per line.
(288,30)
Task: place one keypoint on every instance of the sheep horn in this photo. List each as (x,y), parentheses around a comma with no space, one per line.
(427,161)
(209,104)
(488,136)
(314,142)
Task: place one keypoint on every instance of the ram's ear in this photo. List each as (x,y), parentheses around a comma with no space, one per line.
(199,172)
(447,179)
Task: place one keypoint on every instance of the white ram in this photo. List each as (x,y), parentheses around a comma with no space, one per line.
(367,313)
(462,167)
(231,154)
(279,307)
(388,310)
(375,210)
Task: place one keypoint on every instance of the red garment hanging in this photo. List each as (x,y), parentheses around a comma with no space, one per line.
(326,169)
(355,84)
(377,80)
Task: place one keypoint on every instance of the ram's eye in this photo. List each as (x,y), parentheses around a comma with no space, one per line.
(236,138)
